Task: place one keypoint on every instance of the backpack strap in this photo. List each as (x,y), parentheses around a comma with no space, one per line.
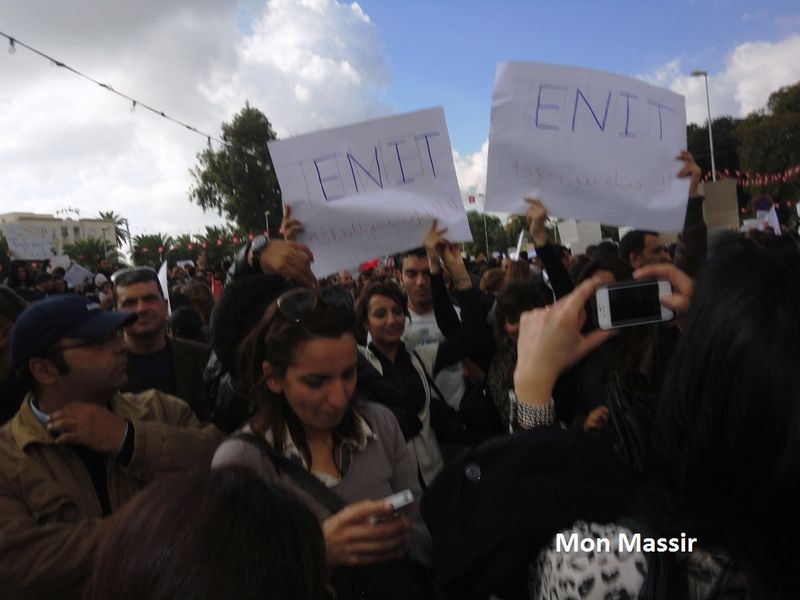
(302,477)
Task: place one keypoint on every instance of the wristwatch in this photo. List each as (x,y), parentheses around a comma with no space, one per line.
(257,246)
(531,416)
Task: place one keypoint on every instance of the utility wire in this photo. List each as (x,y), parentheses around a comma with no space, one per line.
(14,42)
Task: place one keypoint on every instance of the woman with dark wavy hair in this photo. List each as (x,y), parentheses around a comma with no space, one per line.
(211,536)
(311,432)
(726,436)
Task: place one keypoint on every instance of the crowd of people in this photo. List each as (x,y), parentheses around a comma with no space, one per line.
(435,427)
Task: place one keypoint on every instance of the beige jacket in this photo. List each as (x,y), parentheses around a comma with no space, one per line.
(50,517)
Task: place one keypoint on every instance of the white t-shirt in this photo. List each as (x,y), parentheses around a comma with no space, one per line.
(422,329)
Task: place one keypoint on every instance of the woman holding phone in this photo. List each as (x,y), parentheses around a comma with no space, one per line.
(311,433)
(725,438)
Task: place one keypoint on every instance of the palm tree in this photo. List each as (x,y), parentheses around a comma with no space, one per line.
(89,251)
(120,226)
(150,249)
(220,243)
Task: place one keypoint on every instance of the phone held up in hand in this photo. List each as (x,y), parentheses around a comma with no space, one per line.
(632,303)
(398,501)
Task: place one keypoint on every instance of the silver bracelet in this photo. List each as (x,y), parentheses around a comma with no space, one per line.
(531,416)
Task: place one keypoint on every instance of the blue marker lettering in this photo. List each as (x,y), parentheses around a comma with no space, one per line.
(400,161)
(540,106)
(660,124)
(428,146)
(628,113)
(328,178)
(378,181)
(579,94)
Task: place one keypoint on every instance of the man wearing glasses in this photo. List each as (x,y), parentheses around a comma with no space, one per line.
(77,449)
(171,365)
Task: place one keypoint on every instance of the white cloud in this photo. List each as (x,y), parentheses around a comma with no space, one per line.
(751,72)
(306,64)
(471,170)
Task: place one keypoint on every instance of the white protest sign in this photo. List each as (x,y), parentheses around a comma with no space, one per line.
(77,276)
(62,260)
(593,146)
(29,241)
(371,189)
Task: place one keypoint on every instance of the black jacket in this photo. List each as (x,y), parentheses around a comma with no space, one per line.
(492,509)
(188,362)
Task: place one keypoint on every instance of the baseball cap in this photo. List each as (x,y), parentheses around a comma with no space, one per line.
(45,322)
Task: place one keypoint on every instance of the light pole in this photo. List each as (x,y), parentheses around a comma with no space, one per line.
(704,75)
(485,230)
(266,220)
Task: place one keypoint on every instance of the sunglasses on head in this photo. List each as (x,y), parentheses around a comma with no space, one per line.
(297,304)
(123,275)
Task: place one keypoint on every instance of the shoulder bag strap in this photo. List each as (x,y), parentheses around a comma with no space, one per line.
(301,476)
(431,383)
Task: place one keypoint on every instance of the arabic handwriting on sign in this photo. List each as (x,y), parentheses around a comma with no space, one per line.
(574,181)
(327,236)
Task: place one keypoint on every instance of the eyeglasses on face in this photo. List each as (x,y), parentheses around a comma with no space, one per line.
(103,340)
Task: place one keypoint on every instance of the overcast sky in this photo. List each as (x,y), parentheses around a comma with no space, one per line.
(311,64)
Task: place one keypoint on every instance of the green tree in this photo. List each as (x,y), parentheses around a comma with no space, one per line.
(220,243)
(120,226)
(89,251)
(183,247)
(514,224)
(238,180)
(770,139)
(770,142)
(498,239)
(150,249)
(726,144)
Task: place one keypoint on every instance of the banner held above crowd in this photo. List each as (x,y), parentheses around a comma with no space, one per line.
(371,188)
(595,146)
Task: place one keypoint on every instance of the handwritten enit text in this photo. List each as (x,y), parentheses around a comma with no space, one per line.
(556,107)
(390,163)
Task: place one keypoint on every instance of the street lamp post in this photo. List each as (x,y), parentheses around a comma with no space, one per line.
(485,230)
(704,75)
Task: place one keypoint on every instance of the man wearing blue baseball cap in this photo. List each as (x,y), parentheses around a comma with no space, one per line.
(77,449)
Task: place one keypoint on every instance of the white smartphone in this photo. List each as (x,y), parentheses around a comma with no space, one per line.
(632,303)
(400,499)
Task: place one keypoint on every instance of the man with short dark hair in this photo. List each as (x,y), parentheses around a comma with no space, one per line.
(77,449)
(174,366)
(641,248)
(421,327)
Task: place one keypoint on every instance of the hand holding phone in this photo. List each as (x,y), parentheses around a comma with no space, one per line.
(396,501)
(353,536)
(632,303)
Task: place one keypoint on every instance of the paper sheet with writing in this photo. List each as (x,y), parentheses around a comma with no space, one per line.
(371,189)
(30,241)
(593,146)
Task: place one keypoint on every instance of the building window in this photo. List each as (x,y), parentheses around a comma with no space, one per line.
(76,232)
(64,231)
